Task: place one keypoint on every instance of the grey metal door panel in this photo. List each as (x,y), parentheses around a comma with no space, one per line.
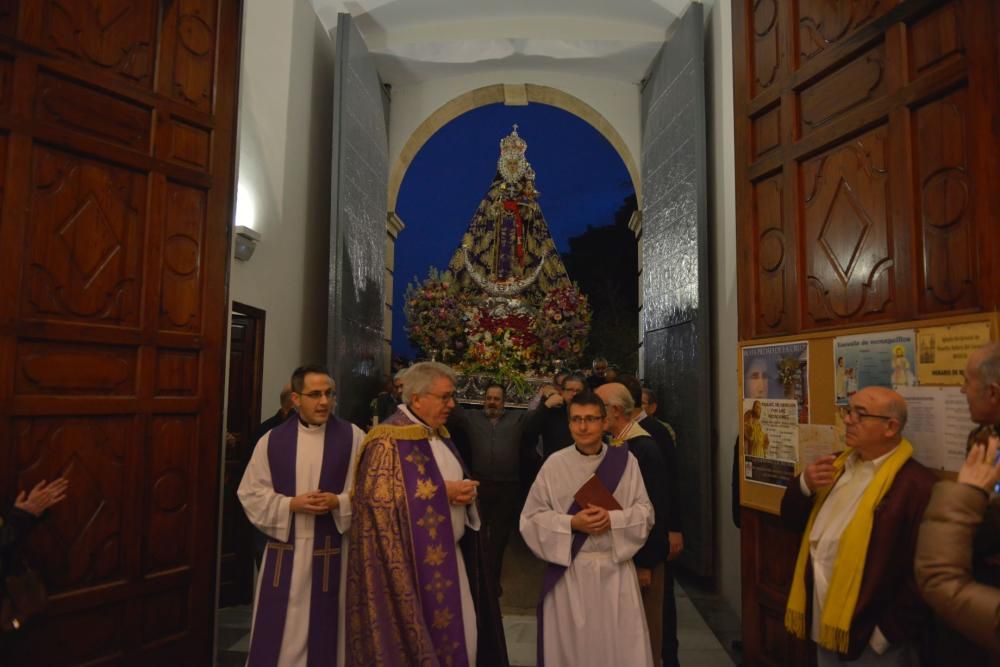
(358,225)
(675,276)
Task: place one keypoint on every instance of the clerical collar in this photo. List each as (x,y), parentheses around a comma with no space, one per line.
(432,432)
(583,453)
(303,423)
(621,434)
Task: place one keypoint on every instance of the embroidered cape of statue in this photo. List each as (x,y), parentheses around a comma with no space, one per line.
(403,602)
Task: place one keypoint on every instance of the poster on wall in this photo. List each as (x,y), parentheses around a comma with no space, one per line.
(937,426)
(816,440)
(884,359)
(778,372)
(943,351)
(770,440)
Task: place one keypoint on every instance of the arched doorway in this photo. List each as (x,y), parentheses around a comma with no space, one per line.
(587,200)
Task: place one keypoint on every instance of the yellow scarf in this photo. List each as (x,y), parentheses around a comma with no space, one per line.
(845,582)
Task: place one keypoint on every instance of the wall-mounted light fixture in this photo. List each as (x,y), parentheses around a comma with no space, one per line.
(246,242)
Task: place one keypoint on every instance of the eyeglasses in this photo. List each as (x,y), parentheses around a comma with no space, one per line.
(854,413)
(590,420)
(316,395)
(446,398)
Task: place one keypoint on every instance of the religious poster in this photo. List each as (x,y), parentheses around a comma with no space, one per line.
(816,440)
(938,425)
(778,372)
(884,359)
(770,440)
(943,351)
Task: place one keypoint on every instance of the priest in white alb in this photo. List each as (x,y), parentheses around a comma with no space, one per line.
(296,490)
(591,610)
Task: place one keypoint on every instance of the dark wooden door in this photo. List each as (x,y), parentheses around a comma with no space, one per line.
(866,193)
(117,122)
(246,367)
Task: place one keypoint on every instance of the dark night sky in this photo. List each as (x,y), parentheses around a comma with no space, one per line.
(581,177)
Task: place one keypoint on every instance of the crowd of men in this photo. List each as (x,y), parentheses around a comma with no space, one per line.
(396,538)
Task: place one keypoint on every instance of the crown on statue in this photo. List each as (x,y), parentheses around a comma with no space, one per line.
(512,164)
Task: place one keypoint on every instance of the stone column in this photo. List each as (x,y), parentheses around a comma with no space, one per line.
(394,225)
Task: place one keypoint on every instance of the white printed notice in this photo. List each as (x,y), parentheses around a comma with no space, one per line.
(815,440)
(938,425)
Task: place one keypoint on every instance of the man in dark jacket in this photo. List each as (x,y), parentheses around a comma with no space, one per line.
(493,441)
(650,559)
(549,419)
(853,591)
(666,439)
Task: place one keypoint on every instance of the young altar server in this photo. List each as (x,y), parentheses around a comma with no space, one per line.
(591,610)
(296,490)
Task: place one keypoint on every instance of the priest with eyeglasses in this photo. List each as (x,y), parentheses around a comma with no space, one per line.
(587,514)
(417,590)
(296,490)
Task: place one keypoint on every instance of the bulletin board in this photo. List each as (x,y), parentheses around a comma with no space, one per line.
(821,391)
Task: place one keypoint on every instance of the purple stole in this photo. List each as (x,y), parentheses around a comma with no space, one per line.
(272,602)
(610,472)
(434,559)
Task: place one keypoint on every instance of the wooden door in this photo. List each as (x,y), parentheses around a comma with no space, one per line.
(866,189)
(246,368)
(117,127)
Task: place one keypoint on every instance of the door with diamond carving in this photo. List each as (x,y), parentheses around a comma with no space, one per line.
(117,126)
(866,140)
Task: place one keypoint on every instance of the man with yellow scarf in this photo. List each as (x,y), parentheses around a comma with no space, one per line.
(859,514)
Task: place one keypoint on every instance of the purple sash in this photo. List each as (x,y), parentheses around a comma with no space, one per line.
(272,602)
(434,552)
(610,472)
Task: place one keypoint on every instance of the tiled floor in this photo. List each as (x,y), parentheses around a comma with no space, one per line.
(699,646)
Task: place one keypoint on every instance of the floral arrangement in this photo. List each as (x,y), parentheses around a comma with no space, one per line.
(436,313)
(562,325)
(498,336)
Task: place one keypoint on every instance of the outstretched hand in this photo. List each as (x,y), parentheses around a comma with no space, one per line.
(980,468)
(42,497)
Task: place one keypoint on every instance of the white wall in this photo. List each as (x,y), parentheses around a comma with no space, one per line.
(617,101)
(286,91)
(722,203)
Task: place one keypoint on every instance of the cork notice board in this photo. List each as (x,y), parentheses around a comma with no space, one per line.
(821,391)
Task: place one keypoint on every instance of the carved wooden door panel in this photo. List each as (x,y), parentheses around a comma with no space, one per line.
(866,140)
(117,122)
(866,171)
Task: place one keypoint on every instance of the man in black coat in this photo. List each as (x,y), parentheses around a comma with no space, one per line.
(666,438)
(649,560)
(549,420)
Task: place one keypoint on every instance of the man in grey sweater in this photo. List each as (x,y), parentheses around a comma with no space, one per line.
(492,438)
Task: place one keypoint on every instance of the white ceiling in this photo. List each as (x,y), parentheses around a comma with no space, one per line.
(416,41)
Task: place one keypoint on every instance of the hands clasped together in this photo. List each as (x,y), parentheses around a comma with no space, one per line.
(315,502)
(461,492)
(592,520)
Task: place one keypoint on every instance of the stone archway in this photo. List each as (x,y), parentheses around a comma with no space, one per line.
(514,95)
(511,94)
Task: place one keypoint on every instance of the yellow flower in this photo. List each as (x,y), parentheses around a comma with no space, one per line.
(435,555)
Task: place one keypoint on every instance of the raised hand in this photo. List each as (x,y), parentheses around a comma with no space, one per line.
(42,497)
(980,467)
(820,472)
